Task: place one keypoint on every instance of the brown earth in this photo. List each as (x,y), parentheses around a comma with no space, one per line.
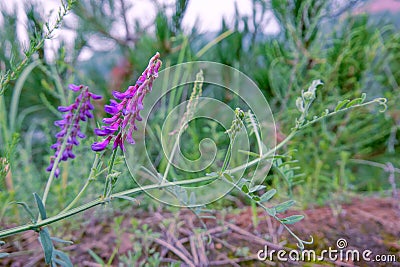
(230,239)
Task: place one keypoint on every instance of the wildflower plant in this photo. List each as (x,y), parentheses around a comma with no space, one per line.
(125,113)
(275,63)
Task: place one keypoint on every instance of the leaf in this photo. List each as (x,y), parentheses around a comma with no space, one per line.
(62,241)
(282,207)
(28,210)
(131,199)
(354,102)
(249,153)
(292,219)
(256,188)
(41,207)
(192,199)
(47,244)
(63,259)
(245,189)
(4,255)
(314,85)
(271,211)
(341,104)
(228,177)
(363,96)
(182,195)
(268,195)
(96,257)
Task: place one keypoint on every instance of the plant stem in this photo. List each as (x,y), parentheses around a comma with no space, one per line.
(171,157)
(107,185)
(85,186)
(227,157)
(266,155)
(53,170)
(97,202)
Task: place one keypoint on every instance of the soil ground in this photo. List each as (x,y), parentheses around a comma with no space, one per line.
(232,238)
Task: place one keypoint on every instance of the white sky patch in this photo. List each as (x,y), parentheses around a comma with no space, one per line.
(206,15)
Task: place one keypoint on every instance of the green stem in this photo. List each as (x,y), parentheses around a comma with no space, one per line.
(97,202)
(171,157)
(53,170)
(227,156)
(85,186)
(266,155)
(107,187)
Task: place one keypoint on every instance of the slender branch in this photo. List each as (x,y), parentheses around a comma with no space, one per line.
(11,75)
(264,156)
(85,186)
(171,157)
(374,164)
(97,202)
(108,186)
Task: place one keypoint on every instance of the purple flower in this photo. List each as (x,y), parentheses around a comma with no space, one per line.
(69,125)
(125,109)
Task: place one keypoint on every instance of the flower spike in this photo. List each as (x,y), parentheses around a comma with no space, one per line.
(125,109)
(78,111)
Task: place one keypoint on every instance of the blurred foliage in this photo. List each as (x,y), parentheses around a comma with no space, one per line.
(351,53)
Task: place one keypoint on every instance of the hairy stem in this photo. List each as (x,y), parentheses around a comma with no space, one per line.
(96,202)
(85,186)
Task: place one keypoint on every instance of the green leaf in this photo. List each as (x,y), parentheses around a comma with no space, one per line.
(271,211)
(96,257)
(245,189)
(63,259)
(341,104)
(256,188)
(62,241)
(363,96)
(292,219)
(354,102)
(268,195)
(41,207)
(282,207)
(47,244)
(4,255)
(228,177)
(182,195)
(249,153)
(192,199)
(27,209)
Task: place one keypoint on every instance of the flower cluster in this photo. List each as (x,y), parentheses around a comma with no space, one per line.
(80,110)
(125,109)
